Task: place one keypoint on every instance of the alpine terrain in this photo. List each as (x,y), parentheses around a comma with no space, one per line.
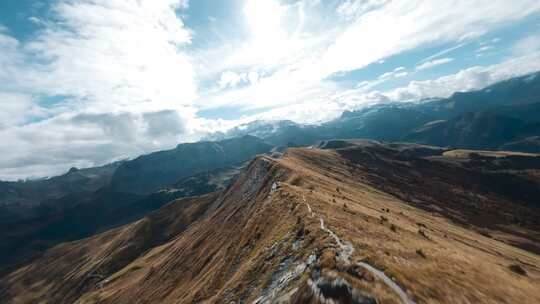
(343,222)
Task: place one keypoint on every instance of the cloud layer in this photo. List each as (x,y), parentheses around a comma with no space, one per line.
(102,80)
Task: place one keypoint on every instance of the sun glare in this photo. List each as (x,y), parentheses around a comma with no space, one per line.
(264,19)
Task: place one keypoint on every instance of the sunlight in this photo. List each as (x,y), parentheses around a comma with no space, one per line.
(264,19)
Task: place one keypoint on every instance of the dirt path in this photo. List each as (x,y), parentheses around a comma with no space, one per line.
(346,250)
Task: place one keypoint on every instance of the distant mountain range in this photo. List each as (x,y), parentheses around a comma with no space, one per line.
(20,199)
(149,173)
(502,116)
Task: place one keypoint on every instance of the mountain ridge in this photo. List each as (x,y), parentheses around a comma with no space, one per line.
(313,226)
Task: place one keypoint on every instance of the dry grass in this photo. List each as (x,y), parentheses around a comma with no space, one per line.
(463,153)
(249,239)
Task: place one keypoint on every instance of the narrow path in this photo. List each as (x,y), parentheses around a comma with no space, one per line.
(379,274)
(309,207)
(345,253)
(345,249)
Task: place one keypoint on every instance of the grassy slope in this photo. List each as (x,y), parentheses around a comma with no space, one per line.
(247,240)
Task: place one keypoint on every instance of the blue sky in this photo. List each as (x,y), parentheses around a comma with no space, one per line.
(85,82)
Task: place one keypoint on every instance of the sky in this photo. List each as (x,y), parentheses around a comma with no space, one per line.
(87,82)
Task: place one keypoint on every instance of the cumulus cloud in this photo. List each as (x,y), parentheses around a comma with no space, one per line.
(433,63)
(231,79)
(122,73)
(374,31)
(53,145)
(120,126)
(164,123)
(331,105)
(467,79)
(105,79)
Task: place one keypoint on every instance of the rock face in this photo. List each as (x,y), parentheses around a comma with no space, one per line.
(339,225)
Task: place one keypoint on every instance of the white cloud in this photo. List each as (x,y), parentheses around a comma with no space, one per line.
(300,63)
(54,145)
(434,63)
(128,75)
(108,55)
(230,79)
(16,108)
(527,45)
(473,78)
(164,123)
(443,52)
(351,8)
(121,69)
(484,49)
(403,25)
(468,79)
(367,85)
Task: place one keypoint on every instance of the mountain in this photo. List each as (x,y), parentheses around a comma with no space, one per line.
(19,199)
(512,92)
(349,222)
(503,114)
(283,133)
(135,188)
(382,122)
(481,130)
(150,173)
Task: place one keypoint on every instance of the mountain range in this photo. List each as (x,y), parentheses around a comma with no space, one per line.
(505,115)
(115,194)
(343,222)
(395,202)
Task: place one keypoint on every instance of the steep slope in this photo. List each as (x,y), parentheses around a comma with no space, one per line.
(138,187)
(153,172)
(27,239)
(357,224)
(81,265)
